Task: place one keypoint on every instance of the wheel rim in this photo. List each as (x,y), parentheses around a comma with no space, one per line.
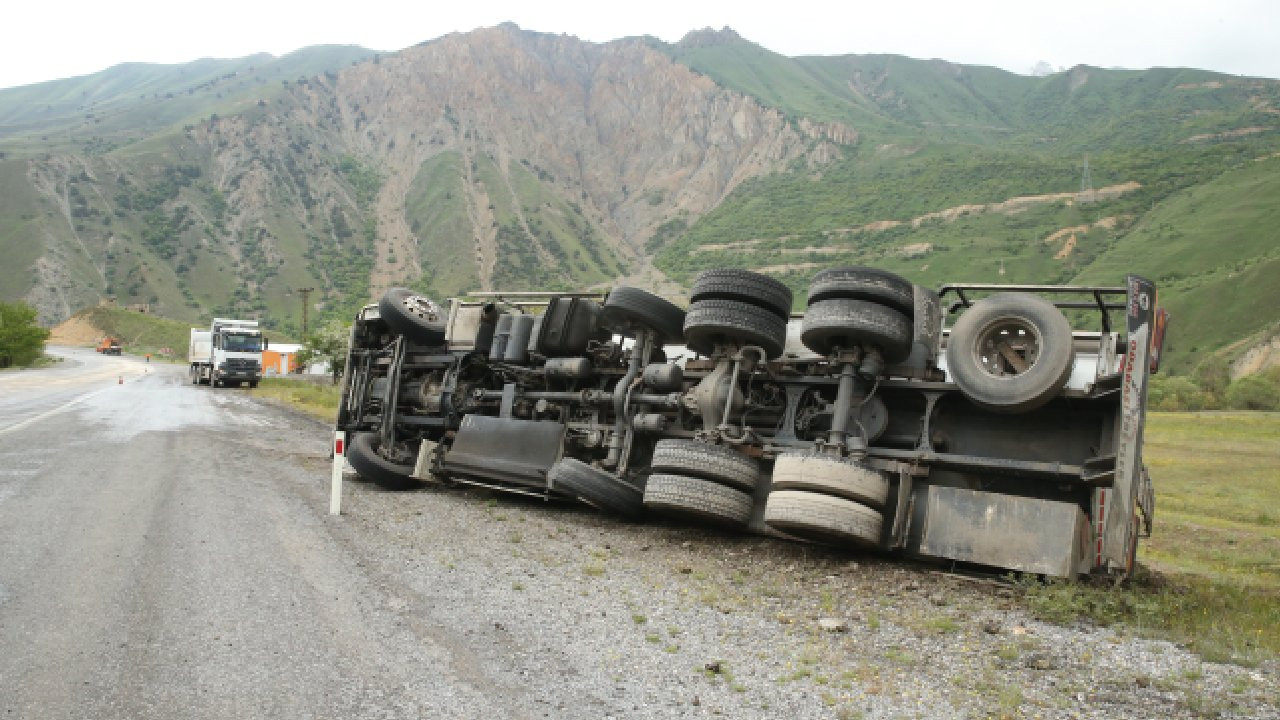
(1007,347)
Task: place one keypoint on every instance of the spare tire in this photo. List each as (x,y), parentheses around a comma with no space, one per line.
(864,283)
(419,318)
(1011,352)
(730,322)
(847,323)
(744,286)
(363,455)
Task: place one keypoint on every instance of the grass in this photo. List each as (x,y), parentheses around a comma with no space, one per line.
(1209,577)
(319,400)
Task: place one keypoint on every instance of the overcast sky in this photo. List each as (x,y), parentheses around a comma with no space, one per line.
(48,39)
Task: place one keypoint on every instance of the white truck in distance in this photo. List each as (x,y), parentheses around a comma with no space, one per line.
(230,351)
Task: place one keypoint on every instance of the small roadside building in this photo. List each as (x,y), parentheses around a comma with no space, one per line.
(280,359)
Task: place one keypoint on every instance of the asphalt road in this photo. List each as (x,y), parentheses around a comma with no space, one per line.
(165,552)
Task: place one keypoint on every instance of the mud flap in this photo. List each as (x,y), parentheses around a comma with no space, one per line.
(505,450)
(1006,531)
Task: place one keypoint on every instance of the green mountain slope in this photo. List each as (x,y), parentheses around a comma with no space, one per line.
(1214,252)
(516,160)
(974,174)
(118,104)
(889,97)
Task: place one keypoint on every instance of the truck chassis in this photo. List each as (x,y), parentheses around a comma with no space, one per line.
(1005,440)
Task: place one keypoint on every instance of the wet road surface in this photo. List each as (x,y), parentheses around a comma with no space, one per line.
(165,553)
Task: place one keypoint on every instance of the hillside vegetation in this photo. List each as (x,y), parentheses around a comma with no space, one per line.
(508,159)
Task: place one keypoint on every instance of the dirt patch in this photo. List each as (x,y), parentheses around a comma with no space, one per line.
(789,267)
(1067,248)
(75,331)
(1238,132)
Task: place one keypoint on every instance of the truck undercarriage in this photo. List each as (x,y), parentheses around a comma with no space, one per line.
(1005,439)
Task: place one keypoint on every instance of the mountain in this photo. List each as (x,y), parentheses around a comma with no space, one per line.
(502,158)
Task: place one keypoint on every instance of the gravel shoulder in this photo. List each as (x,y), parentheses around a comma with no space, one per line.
(574,614)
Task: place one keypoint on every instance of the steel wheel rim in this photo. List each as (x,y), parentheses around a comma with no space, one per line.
(1006,343)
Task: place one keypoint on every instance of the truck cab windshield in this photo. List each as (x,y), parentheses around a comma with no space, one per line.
(236,342)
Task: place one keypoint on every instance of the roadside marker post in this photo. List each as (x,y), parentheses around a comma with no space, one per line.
(339,462)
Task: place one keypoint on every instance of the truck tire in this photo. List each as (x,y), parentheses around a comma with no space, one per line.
(413,315)
(1011,352)
(831,475)
(697,498)
(704,460)
(628,308)
(863,283)
(846,323)
(730,322)
(823,518)
(744,286)
(363,455)
(596,487)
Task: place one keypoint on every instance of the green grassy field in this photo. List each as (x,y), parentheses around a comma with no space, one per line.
(1209,576)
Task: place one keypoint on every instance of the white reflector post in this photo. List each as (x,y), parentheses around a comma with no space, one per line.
(339,463)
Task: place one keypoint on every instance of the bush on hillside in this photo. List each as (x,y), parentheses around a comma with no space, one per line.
(1174,393)
(21,339)
(1253,392)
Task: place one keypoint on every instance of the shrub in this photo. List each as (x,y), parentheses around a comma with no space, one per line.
(21,339)
(1253,392)
(1174,393)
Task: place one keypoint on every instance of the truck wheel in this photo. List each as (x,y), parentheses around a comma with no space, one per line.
(363,455)
(697,498)
(744,286)
(596,487)
(863,283)
(848,323)
(831,475)
(823,518)
(704,460)
(729,322)
(1011,352)
(253,383)
(415,316)
(628,309)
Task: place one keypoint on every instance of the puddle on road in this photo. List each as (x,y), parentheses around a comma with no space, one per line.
(160,404)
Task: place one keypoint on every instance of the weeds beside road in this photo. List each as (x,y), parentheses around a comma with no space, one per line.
(317,399)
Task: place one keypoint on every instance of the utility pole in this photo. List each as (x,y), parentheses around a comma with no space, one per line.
(305,292)
(1086,182)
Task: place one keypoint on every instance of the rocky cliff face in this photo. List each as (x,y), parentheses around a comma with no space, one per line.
(628,135)
(473,148)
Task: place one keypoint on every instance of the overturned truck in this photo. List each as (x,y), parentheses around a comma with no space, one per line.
(969,425)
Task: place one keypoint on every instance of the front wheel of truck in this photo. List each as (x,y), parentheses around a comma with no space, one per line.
(372,466)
